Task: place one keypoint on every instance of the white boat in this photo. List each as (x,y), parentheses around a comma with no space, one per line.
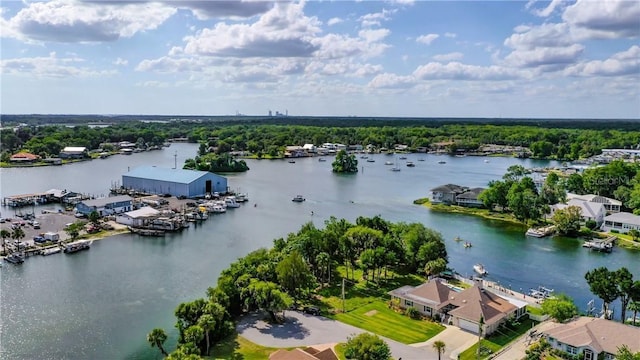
(479,268)
(541,232)
(298,198)
(371,160)
(486,160)
(242,197)
(51,251)
(410,164)
(217,208)
(388,163)
(231,202)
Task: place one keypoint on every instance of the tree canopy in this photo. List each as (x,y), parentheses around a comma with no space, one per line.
(345,163)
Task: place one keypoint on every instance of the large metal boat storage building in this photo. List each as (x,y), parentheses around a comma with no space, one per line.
(177,182)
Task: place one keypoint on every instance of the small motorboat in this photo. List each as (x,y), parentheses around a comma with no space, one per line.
(467,244)
(479,268)
(322,159)
(410,164)
(371,160)
(298,198)
(442,162)
(292,161)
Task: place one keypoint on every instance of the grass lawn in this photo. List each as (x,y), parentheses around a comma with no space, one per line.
(485,213)
(236,347)
(379,319)
(497,341)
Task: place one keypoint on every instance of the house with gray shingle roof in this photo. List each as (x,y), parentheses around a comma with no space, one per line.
(622,222)
(594,338)
(589,210)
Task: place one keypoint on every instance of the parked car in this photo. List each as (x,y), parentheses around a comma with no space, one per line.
(312,310)
(36,225)
(39,239)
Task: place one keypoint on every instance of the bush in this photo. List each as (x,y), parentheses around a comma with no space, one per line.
(412,313)
(591,224)
(614,231)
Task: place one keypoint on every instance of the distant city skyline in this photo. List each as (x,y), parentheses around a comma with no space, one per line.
(395,58)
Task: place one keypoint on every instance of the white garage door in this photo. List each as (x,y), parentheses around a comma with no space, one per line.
(468,325)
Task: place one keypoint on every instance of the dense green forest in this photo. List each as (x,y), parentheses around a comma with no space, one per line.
(566,139)
(295,269)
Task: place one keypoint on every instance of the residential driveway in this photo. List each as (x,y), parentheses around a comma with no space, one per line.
(455,339)
(307,330)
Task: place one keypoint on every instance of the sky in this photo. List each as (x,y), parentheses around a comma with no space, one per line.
(395,58)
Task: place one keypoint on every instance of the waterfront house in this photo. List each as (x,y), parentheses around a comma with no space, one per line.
(470,198)
(446,194)
(594,338)
(294,151)
(74,152)
(23,157)
(138,218)
(177,182)
(610,205)
(462,309)
(309,353)
(309,148)
(621,222)
(588,210)
(105,206)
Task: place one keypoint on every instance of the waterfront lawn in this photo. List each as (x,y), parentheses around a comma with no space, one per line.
(378,318)
(485,213)
(496,342)
(237,347)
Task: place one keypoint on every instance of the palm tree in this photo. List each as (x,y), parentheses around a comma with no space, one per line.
(207,322)
(440,347)
(4,234)
(635,307)
(17,234)
(157,337)
(480,325)
(324,262)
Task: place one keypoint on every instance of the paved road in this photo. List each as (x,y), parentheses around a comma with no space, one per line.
(307,330)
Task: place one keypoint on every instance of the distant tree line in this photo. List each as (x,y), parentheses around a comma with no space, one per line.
(273,279)
(566,140)
(517,193)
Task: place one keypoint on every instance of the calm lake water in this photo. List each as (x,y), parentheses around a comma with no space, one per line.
(100,304)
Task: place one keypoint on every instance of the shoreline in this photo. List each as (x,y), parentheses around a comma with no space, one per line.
(454,209)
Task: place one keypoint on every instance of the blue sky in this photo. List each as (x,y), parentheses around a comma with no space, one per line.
(524,59)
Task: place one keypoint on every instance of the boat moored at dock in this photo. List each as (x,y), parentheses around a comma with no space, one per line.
(298,198)
(479,269)
(76,246)
(15,258)
(541,232)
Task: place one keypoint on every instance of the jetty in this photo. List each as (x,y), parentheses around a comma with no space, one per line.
(602,245)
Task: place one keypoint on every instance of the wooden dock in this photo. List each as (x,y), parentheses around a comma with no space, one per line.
(602,245)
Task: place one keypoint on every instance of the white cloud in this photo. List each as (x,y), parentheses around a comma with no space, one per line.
(450,35)
(427,39)
(448,57)
(49,67)
(234,9)
(545,56)
(153,84)
(547,10)
(620,64)
(121,62)
(392,81)
(334,21)
(605,19)
(545,35)
(375,19)
(459,71)
(284,31)
(70,21)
